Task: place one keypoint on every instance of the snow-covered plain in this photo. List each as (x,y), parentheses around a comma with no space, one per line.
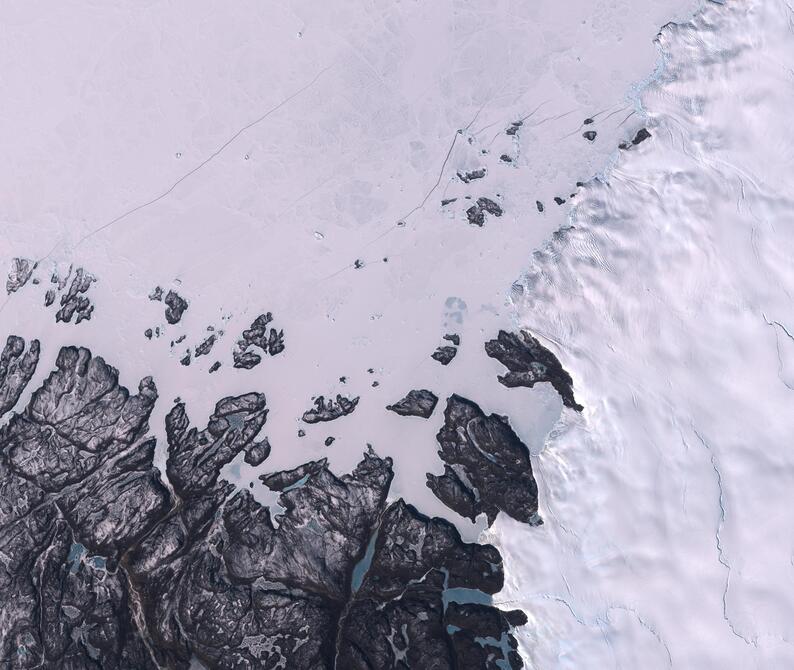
(247,155)
(669,541)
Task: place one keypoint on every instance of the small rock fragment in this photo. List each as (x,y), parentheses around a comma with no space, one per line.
(453,337)
(206,346)
(539,205)
(215,366)
(513,128)
(589,135)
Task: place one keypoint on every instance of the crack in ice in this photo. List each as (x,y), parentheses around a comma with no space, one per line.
(193,171)
(718,538)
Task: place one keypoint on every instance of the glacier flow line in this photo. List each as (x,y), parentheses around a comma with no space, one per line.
(190,173)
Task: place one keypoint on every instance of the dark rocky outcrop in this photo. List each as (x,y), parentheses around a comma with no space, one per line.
(74,302)
(20,273)
(260,335)
(16,368)
(104,566)
(590,135)
(529,362)
(475,215)
(176,306)
(257,452)
(487,467)
(398,617)
(512,129)
(639,138)
(328,410)
(471,175)
(490,206)
(206,346)
(477,633)
(444,355)
(416,403)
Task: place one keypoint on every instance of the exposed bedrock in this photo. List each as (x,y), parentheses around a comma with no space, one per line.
(529,362)
(487,467)
(20,273)
(416,403)
(16,368)
(399,618)
(74,303)
(175,307)
(329,410)
(445,354)
(259,335)
(106,566)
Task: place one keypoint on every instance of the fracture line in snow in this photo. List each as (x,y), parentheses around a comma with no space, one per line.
(718,537)
(401,222)
(772,324)
(203,163)
(458,133)
(647,626)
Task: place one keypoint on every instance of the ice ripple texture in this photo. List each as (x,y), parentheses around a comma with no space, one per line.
(669,540)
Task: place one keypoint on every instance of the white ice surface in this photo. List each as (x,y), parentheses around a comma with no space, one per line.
(202,145)
(669,540)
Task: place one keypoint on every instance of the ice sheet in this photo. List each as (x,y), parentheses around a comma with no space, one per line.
(669,541)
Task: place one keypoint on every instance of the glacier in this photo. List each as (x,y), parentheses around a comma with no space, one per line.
(668,299)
